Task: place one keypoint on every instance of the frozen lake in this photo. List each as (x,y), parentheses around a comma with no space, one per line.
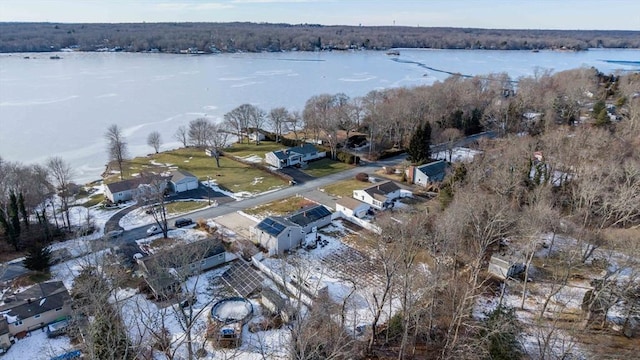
(63,107)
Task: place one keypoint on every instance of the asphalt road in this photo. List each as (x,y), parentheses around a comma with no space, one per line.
(298,189)
(11,271)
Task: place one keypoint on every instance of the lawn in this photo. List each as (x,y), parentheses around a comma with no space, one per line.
(246,150)
(345,187)
(325,167)
(94,200)
(280,207)
(231,174)
(180,207)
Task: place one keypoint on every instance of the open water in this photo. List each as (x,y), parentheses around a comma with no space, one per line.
(63,106)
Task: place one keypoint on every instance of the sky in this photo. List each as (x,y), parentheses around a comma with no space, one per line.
(494,14)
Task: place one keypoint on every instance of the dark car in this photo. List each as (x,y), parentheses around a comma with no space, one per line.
(182,222)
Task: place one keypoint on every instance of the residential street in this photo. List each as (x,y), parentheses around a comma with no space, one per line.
(299,189)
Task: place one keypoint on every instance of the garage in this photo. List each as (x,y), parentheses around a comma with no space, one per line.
(182,181)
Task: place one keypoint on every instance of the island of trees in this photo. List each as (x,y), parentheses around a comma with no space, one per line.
(252,37)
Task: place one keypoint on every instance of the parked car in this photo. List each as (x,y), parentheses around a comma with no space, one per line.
(153,230)
(183,222)
(114,234)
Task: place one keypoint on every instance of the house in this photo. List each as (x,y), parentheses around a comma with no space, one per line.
(294,156)
(351,207)
(427,174)
(256,136)
(164,271)
(277,234)
(35,307)
(124,190)
(311,217)
(121,190)
(379,195)
(182,181)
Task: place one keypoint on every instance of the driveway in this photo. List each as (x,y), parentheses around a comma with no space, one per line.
(202,192)
(299,176)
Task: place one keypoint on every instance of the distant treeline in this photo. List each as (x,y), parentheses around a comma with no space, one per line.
(252,37)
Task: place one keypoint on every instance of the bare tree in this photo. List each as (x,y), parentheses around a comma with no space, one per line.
(217,139)
(154,141)
(278,118)
(245,115)
(182,135)
(62,175)
(117,147)
(295,123)
(152,197)
(199,132)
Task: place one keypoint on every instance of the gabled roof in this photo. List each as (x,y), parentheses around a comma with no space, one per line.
(434,170)
(280,154)
(309,215)
(35,300)
(350,203)
(274,225)
(275,297)
(125,185)
(178,175)
(131,184)
(304,149)
(381,189)
(183,255)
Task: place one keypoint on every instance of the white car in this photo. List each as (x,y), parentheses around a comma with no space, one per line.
(153,230)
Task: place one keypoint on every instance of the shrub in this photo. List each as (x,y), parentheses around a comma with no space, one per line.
(362,177)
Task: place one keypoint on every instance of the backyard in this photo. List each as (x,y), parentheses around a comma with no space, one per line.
(325,167)
(232,175)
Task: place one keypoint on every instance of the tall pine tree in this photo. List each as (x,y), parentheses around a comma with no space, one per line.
(38,258)
(420,144)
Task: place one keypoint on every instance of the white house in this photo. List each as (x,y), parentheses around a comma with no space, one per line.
(351,207)
(426,174)
(35,307)
(277,234)
(182,180)
(379,195)
(124,190)
(294,156)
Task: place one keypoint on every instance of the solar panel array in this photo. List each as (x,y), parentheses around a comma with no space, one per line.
(270,226)
(243,278)
(310,215)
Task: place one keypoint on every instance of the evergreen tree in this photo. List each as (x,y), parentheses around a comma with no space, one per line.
(7,227)
(38,258)
(14,214)
(420,144)
(23,211)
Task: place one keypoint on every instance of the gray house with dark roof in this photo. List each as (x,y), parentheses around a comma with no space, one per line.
(293,156)
(426,174)
(125,190)
(281,233)
(277,234)
(36,307)
(162,271)
(310,217)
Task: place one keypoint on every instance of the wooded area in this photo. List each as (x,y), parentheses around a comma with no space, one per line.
(252,37)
